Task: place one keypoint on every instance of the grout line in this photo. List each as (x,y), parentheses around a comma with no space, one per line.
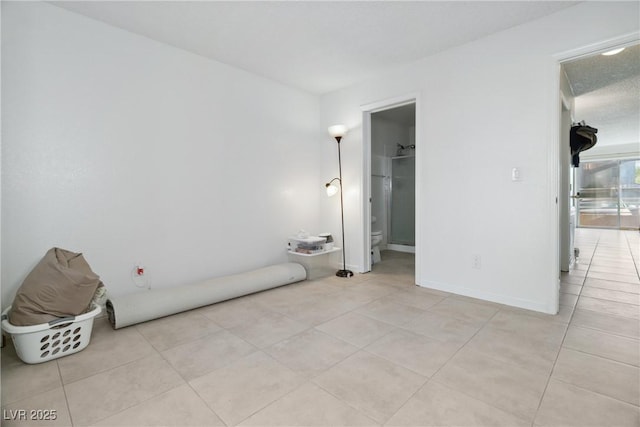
(635,263)
(577,350)
(597,393)
(64,391)
(564,336)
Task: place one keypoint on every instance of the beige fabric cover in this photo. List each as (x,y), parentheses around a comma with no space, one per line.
(62,284)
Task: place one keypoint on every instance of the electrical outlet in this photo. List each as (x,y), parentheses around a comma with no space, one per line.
(139,276)
(477,262)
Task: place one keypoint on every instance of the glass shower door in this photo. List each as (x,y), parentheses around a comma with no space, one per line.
(403,202)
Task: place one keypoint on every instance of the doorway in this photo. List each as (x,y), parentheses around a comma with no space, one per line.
(596,78)
(390,179)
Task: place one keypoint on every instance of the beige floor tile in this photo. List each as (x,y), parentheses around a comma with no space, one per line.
(278,298)
(416,297)
(477,301)
(108,349)
(320,286)
(344,282)
(573,273)
(403,282)
(374,288)
(356,329)
(178,329)
(437,405)
(517,347)
(202,356)
(563,316)
(614,347)
(581,264)
(415,352)
(604,376)
(237,391)
(443,328)
(20,380)
(611,254)
(464,310)
(431,291)
(609,307)
(43,409)
(629,270)
(311,352)
(269,329)
(615,264)
(371,384)
(512,388)
(235,312)
(356,298)
(568,299)
(612,285)
(572,279)
(570,406)
(616,325)
(538,328)
(626,278)
(612,295)
(321,308)
(570,289)
(102,395)
(179,407)
(308,405)
(390,312)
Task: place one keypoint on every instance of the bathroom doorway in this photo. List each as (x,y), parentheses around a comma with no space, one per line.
(392,180)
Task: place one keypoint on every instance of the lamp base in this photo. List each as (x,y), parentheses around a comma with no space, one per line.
(344,273)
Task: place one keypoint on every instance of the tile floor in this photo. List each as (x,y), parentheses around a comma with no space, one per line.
(372,350)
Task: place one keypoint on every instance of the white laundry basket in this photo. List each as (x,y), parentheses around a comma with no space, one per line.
(47,341)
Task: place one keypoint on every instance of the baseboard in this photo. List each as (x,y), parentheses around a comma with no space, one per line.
(488,296)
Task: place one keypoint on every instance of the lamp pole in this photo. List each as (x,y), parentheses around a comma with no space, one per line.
(344,272)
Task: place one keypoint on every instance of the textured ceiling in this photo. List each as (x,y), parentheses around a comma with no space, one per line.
(317,46)
(607,91)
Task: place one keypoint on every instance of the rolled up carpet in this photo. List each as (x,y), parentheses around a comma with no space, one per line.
(140,307)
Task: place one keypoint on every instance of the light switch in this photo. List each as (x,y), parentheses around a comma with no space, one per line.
(516,175)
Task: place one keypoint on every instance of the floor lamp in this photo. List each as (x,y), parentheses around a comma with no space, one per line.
(338,131)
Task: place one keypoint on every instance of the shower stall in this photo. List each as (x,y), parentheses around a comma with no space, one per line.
(393,183)
(402,204)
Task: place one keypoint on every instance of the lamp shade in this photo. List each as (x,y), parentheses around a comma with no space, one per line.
(337,131)
(331,190)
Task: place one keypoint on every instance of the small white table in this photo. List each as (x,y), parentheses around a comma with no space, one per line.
(317,265)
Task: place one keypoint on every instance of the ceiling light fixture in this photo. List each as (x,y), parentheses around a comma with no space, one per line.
(613,52)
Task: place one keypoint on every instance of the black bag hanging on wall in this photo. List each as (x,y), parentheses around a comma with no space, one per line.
(582,137)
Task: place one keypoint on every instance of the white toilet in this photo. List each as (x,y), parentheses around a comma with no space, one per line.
(376,239)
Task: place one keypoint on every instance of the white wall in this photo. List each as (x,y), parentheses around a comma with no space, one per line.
(483,109)
(129,150)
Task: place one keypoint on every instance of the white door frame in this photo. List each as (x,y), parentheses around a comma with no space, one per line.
(365,212)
